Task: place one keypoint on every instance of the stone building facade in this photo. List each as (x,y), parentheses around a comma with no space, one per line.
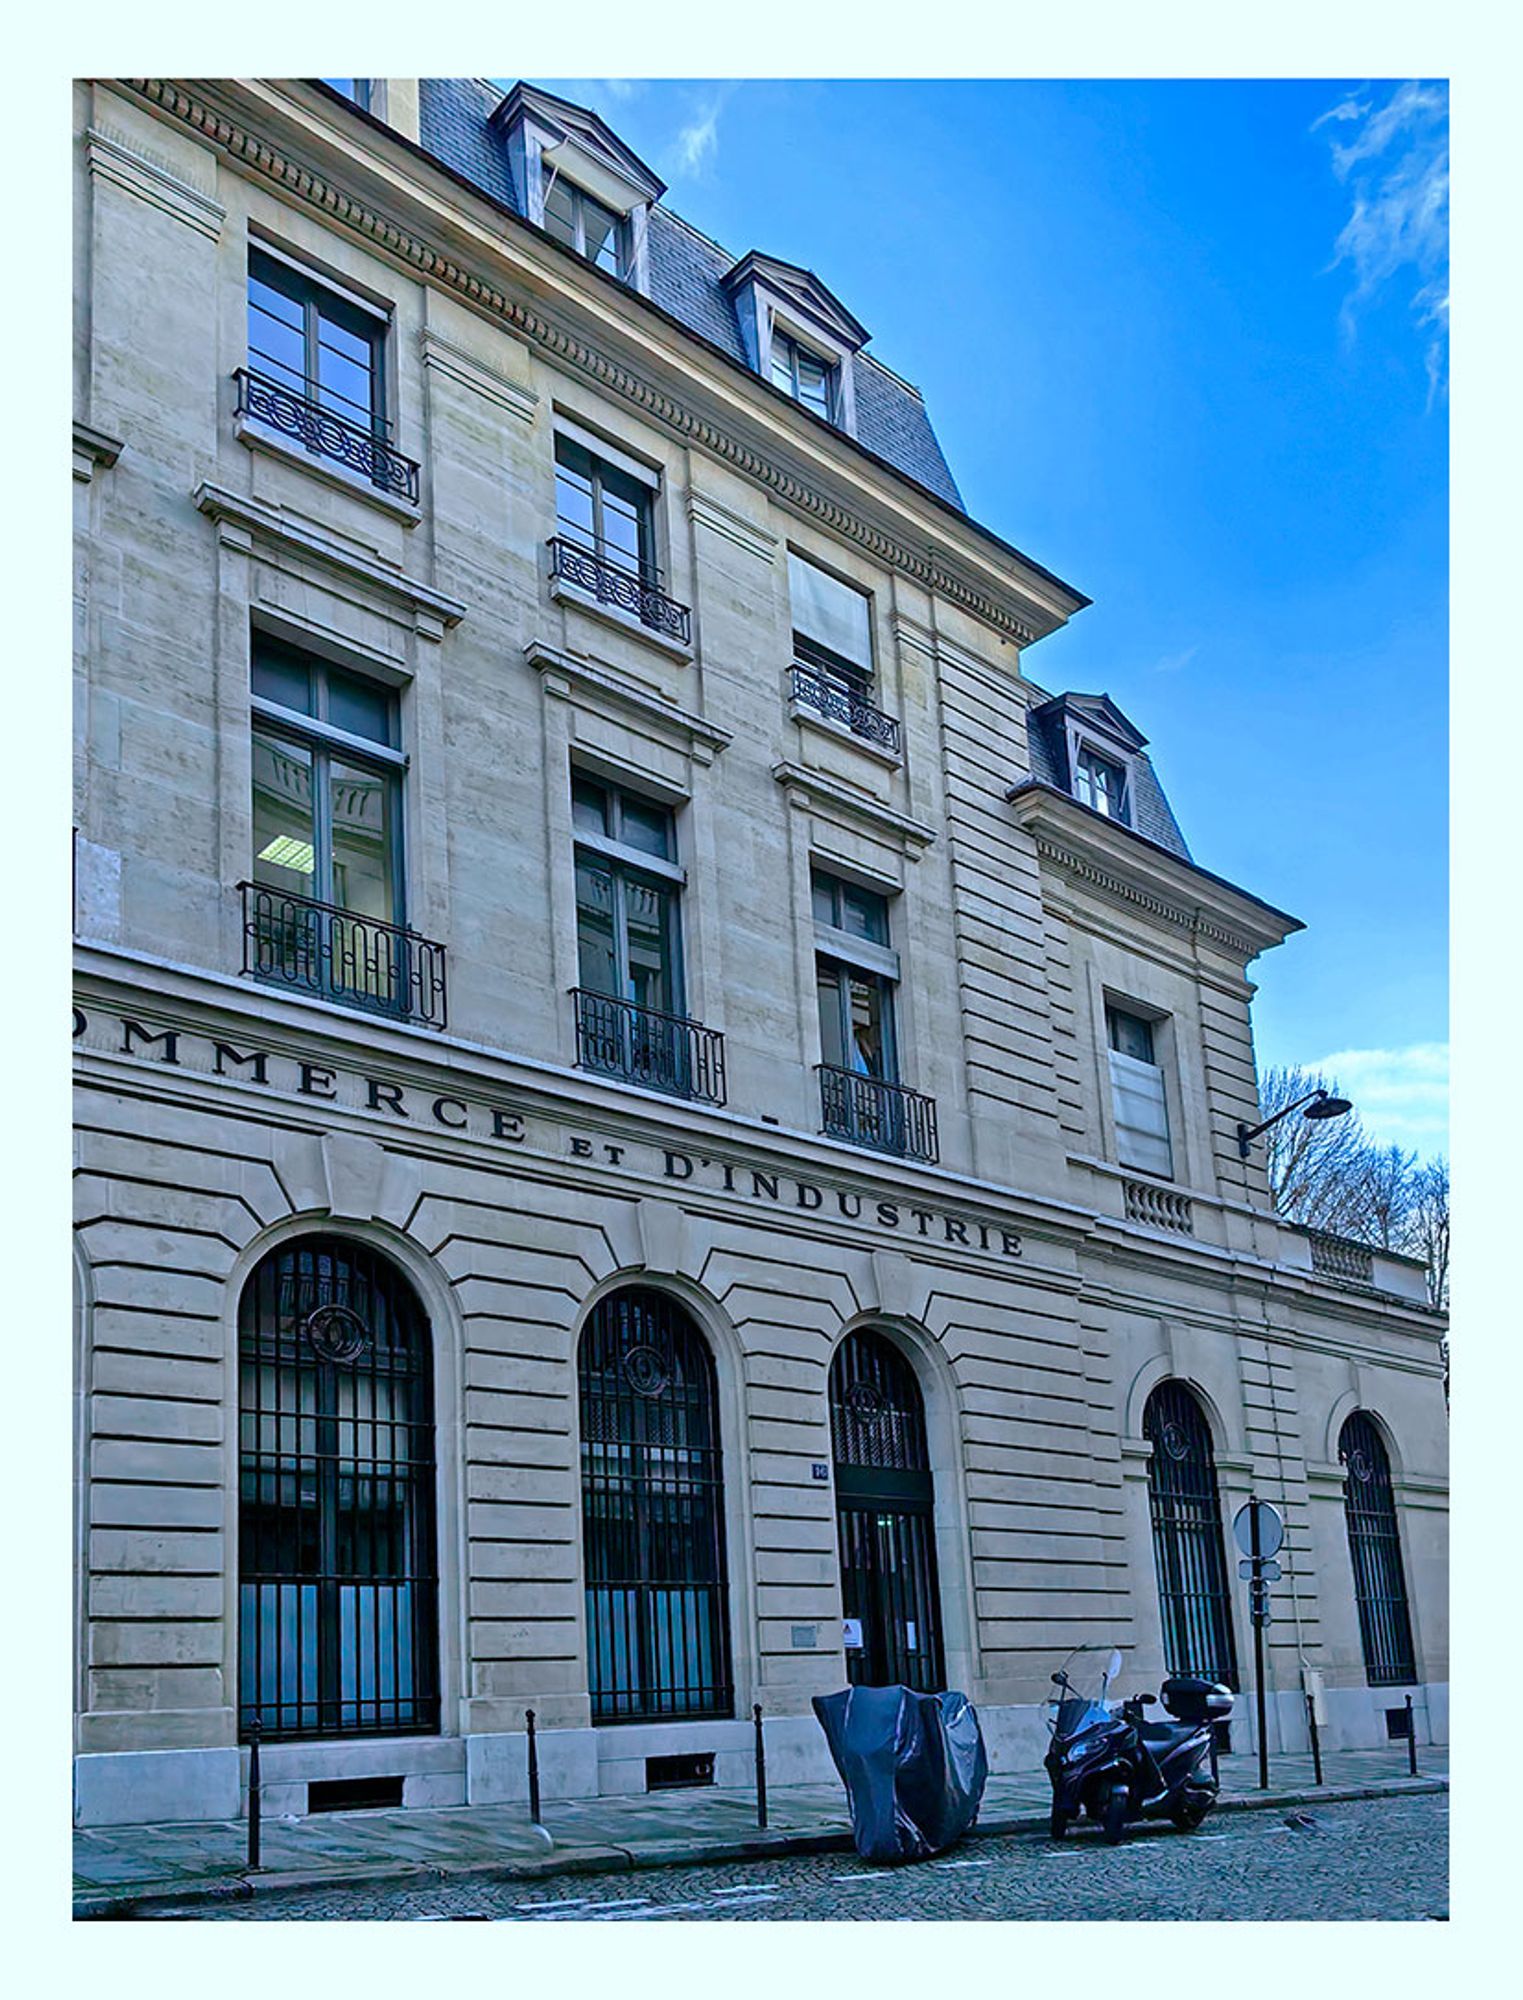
(657,1121)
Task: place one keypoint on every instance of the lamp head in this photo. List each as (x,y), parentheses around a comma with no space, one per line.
(1323,1106)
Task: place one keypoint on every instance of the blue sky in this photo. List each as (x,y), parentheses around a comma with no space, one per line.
(1185,343)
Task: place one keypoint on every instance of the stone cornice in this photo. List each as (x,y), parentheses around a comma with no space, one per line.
(253,522)
(298,180)
(94,451)
(1133,870)
(812,791)
(570,679)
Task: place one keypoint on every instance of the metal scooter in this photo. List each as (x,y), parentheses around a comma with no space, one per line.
(1115,1766)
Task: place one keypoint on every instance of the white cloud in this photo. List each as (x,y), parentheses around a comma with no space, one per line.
(698,141)
(1175,663)
(1395,164)
(1401,1095)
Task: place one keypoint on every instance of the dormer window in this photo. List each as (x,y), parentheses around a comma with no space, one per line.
(583,224)
(1101,784)
(800,374)
(579,182)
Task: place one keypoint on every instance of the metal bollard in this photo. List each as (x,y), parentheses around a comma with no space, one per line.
(1411,1739)
(256,1725)
(761,1766)
(533,1768)
(1316,1740)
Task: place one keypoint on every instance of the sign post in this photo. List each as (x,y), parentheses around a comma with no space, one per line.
(1259,1531)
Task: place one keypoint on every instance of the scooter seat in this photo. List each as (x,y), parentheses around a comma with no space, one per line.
(1165,1735)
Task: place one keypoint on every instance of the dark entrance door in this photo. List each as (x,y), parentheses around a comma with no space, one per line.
(885,1517)
(1187,1537)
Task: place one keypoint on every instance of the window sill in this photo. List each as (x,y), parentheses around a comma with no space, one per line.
(622,621)
(261,437)
(825,725)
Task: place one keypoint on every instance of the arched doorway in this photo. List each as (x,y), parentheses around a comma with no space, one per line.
(337,1584)
(885,1507)
(652,1514)
(1374,1546)
(1186,1511)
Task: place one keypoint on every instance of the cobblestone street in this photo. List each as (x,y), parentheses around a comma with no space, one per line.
(1375,1859)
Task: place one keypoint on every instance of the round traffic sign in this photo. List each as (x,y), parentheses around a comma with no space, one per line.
(1271,1528)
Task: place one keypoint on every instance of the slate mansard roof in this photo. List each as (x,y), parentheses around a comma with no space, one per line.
(685,273)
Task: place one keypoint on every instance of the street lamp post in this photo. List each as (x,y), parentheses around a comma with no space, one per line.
(1319,1104)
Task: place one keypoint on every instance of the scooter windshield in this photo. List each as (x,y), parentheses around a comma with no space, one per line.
(1079,1688)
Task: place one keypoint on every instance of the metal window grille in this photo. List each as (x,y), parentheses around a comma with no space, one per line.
(363,448)
(338,1623)
(1187,1537)
(885,1504)
(342,955)
(664,1052)
(652,1514)
(837,697)
(1374,1545)
(612,582)
(870,1111)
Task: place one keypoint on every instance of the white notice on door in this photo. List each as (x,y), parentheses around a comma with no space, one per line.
(910,1643)
(851,1633)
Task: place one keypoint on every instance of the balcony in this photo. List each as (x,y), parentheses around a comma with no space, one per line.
(1339,1257)
(1159,1207)
(342,955)
(322,432)
(841,703)
(663,1052)
(885,1116)
(612,586)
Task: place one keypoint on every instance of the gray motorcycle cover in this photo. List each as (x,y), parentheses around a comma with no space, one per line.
(914,1767)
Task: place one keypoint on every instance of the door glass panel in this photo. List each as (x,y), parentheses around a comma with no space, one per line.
(868,1050)
(284,832)
(589,807)
(648,915)
(345,371)
(863,914)
(814,384)
(282,676)
(782,362)
(597,963)
(832,1036)
(600,229)
(624,507)
(362,850)
(277,344)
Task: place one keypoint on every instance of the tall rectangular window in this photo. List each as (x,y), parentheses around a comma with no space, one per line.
(1139,1101)
(628,891)
(316,343)
(854,989)
(832,625)
(605,510)
(584,225)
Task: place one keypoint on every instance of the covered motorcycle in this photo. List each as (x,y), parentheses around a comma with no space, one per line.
(914,1767)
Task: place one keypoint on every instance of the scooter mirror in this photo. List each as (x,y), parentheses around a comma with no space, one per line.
(1057,1680)
(1113,1666)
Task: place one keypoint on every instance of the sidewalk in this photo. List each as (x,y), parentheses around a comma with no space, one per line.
(118,1868)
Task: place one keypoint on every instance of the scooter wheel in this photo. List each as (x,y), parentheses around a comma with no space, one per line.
(1057,1826)
(1113,1821)
(1187,1817)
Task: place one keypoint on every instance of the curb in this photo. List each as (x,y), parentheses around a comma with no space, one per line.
(157,1896)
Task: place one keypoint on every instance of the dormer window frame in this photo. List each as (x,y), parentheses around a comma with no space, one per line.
(833,356)
(581,200)
(551,142)
(1089,743)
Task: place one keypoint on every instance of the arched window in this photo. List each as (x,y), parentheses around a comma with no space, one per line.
(1187,1537)
(885,1508)
(652,1514)
(1374,1547)
(337,1588)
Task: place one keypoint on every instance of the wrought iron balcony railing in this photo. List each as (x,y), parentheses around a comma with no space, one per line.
(341,955)
(841,703)
(661,1051)
(327,435)
(885,1116)
(624,589)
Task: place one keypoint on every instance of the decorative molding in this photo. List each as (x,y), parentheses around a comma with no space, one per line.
(1184,915)
(246,523)
(704,512)
(837,732)
(255,435)
(477,375)
(811,791)
(94,451)
(110,160)
(567,678)
(304,183)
